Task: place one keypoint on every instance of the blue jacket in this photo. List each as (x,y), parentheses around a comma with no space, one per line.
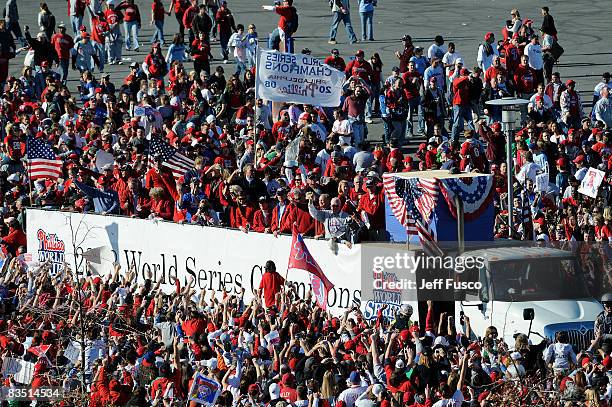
(104,201)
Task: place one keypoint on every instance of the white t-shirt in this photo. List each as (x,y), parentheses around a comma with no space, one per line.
(546,102)
(454,401)
(534,52)
(342,127)
(322,158)
(485,61)
(436,51)
(449,59)
(350,395)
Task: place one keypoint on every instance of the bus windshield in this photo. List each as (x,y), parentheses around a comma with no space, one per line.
(537,280)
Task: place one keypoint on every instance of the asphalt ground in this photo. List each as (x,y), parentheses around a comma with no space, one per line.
(583,27)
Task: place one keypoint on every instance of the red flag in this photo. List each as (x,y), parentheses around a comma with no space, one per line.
(300,259)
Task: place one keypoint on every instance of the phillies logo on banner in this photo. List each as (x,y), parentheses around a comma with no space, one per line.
(51,249)
(204,390)
(301,259)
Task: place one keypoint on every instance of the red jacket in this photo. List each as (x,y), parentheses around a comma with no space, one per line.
(261,220)
(362,69)
(127,203)
(301,216)
(243,216)
(286,14)
(131,12)
(282,225)
(164,208)
(374,207)
(14,239)
(200,50)
(189,15)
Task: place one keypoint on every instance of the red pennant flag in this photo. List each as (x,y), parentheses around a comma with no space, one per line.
(300,259)
(40,350)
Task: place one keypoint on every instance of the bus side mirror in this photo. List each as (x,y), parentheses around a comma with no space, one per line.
(528,314)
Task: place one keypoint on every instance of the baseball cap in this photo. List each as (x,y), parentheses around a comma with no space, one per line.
(395,69)
(578,159)
(304,116)
(134,65)
(359,53)
(355,378)
(606,75)
(569,82)
(489,35)
(377,389)
(406,309)
(399,364)
(102,180)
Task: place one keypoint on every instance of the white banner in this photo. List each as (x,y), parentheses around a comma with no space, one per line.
(207,257)
(297,78)
(591,182)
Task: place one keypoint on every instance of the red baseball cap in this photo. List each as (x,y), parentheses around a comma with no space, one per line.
(102,180)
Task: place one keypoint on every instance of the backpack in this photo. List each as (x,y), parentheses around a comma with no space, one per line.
(294,23)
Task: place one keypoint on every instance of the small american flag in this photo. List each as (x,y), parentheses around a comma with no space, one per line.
(42,161)
(178,163)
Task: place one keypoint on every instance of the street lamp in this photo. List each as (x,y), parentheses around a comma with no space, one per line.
(511,107)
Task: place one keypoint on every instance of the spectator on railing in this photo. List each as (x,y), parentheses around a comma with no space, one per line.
(105,199)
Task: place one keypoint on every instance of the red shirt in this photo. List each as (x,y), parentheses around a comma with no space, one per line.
(335,62)
(63,44)
(461,91)
(158,11)
(271,283)
(200,50)
(288,394)
(492,72)
(513,57)
(524,78)
(362,69)
(412,84)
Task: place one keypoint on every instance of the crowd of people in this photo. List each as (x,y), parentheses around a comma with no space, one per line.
(121,149)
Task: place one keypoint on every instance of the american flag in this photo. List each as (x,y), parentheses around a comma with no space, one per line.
(42,161)
(412,201)
(178,163)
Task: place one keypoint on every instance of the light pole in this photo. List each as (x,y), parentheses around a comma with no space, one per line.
(510,108)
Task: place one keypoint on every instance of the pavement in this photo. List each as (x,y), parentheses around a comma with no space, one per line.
(582,27)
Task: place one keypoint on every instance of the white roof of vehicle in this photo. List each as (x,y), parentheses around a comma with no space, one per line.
(518,253)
